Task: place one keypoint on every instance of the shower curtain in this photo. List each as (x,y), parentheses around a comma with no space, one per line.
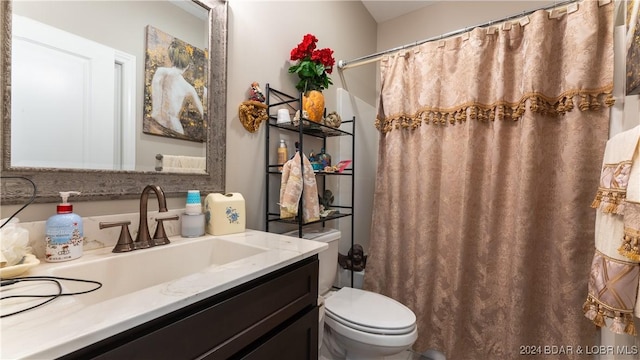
(490,151)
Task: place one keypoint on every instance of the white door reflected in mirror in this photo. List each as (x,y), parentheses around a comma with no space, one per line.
(63,85)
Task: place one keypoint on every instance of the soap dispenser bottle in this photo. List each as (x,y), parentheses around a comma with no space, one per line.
(64,232)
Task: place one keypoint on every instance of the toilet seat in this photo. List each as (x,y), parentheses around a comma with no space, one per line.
(370,340)
(369,312)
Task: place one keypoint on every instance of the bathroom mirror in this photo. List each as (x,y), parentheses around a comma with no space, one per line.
(101,184)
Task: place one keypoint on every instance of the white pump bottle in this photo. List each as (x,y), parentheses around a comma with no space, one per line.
(64,233)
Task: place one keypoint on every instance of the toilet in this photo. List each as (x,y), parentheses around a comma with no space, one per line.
(355,324)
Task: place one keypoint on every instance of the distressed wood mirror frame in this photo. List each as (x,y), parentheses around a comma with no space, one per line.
(109,185)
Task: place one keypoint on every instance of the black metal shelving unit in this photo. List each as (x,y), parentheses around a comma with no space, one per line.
(305,128)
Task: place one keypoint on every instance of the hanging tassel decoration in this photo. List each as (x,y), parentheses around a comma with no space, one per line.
(617,326)
(595,104)
(630,328)
(500,112)
(589,309)
(609,100)
(560,107)
(482,116)
(416,122)
(534,104)
(584,103)
(599,319)
(518,112)
(596,202)
(436,118)
(568,103)
(473,113)
(492,114)
(629,247)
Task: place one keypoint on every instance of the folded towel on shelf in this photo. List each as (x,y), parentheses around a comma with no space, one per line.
(181,164)
(182,170)
(297,182)
(615,269)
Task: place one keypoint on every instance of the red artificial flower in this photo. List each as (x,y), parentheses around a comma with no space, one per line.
(325,57)
(313,65)
(305,48)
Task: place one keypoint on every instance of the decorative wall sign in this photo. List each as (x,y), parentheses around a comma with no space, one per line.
(633,47)
(175,89)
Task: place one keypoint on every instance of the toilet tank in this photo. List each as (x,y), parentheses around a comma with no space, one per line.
(328,258)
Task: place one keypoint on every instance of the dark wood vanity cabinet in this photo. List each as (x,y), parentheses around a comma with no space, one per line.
(272,317)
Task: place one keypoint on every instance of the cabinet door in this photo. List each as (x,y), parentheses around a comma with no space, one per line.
(298,341)
(221,326)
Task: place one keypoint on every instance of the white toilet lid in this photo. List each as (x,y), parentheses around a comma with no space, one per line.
(370,312)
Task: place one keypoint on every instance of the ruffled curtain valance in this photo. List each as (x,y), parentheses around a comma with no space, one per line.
(548,66)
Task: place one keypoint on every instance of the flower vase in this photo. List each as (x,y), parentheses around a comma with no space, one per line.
(313,104)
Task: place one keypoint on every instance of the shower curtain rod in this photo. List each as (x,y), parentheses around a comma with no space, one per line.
(342,64)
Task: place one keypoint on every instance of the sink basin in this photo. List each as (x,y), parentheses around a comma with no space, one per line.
(124,273)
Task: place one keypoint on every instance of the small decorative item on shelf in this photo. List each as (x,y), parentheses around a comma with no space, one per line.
(283,117)
(253,111)
(333,120)
(324,159)
(312,68)
(313,103)
(296,118)
(315,164)
(339,167)
(255,93)
(326,200)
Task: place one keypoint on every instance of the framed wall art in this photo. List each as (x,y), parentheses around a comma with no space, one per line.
(175,87)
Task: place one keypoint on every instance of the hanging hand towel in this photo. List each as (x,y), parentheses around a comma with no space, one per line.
(293,185)
(614,179)
(614,277)
(631,217)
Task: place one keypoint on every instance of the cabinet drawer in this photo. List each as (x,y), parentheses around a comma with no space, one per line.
(298,341)
(224,324)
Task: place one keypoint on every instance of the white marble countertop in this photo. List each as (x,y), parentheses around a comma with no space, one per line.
(66,324)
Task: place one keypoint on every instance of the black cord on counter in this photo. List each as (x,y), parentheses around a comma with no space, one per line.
(33,196)
(51,297)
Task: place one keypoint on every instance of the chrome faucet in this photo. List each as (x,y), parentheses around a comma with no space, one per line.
(143,239)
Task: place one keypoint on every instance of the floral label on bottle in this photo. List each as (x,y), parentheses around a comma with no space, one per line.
(62,246)
(232,215)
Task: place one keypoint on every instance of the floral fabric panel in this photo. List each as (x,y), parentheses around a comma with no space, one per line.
(612,191)
(612,293)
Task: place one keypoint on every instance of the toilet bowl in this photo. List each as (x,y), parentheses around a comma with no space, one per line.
(356,324)
(364,325)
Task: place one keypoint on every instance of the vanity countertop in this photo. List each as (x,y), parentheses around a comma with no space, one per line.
(65,324)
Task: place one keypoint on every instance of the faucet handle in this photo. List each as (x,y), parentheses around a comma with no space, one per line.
(160,236)
(125,242)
